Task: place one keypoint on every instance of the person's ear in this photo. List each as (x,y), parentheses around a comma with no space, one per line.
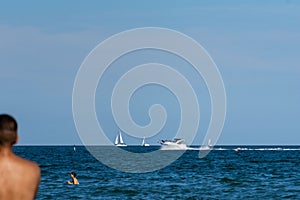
(17,139)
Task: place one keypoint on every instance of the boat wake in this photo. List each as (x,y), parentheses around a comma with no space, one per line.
(265,149)
(256,148)
(205,148)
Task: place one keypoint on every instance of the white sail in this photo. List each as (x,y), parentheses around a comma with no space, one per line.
(117,140)
(121,139)
(143,141)
(209,143)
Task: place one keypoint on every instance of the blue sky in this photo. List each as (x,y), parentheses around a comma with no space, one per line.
(255,45)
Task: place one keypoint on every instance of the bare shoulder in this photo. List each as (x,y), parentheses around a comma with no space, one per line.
(30,167)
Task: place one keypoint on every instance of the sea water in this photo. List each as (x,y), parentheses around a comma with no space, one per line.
(227,172)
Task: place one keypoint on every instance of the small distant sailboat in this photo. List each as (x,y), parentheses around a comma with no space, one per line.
(74,148)
(119,140)
(207,147)
(144,144)
(209,144)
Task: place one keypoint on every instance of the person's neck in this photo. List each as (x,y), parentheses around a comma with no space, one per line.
(5,150)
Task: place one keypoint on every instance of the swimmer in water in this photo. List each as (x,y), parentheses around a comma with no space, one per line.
(74,179)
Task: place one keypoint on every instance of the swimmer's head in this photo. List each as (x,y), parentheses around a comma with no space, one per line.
(73,174)
(8,130)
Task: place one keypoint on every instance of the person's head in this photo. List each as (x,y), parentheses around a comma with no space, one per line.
(8,130)
(73,174)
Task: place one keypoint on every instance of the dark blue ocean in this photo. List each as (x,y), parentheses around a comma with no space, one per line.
(252,172)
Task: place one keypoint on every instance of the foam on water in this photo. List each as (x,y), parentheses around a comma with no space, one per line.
(265,149)
(240,149)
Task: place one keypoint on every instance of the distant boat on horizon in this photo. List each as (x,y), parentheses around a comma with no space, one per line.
(176,144)
(119,140)
(207,147)
(144,144)
(179,144)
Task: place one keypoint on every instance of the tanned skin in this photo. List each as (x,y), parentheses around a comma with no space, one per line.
(74,179)
(19,178)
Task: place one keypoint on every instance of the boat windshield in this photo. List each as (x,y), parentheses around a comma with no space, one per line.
(179,141)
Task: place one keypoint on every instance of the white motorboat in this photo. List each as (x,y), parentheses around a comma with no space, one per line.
(176,144)
(119,140)
(144,144)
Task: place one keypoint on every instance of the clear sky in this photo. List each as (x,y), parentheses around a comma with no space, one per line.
(255,44)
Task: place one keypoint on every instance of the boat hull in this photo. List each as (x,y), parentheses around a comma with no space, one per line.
(121,145)
(173,146)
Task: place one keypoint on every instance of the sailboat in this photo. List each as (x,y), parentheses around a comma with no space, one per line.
(144,144)
(119,140)
(207,147)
